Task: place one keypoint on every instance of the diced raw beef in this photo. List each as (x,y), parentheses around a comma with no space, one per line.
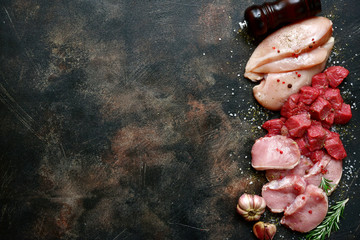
(300,170)
(343,115)
(334,146)
(293,107)
(275,152)
(333,96)
(317,155)
(298,124)
(320,109)
(320,81)
(303,146)
(316,136)
(274,126)
(336,75)
(329,120)
(279,194)
(307,211)
(308,94)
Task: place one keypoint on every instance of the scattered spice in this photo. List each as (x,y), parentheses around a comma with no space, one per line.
(299,75)
(274,47)
(278,51)
(310,211)
(278,80)
(311,46)
(283,82)
(289,85)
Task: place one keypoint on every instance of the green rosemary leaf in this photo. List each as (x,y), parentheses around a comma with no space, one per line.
(326,185)
(330,223)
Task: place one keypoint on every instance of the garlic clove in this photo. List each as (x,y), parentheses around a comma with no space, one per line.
(251,206)
(264,231)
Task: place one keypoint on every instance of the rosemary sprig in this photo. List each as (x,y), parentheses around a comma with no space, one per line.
(330,223)
(326,185)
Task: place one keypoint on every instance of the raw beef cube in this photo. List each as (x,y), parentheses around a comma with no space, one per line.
(329,120)
(298,124)
(308,94)
(303,146)
(316,137)
(279,194)
(276,152)
(320,109)
(334,146)
(273,126)
(343,115)
(307,211)
(320,81)
(293,106)
(333,96)
(336,75)
(317,155)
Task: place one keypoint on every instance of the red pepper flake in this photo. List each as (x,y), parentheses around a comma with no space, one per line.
(313,42)
(296,73)
(303,198)
(274,47)
(278,80)
(297,188)
(299,75)
(283,82)
(278,51)
(322,170)
(313,39)
(310,211)
(281,152)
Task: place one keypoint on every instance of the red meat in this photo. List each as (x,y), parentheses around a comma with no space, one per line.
(333,96)
(316,136)
(308,94)
(343,115)
(320,109)
(334,146)
(317,155)
(336,75)
(273,126)
(329,120)
(320,81)
(298,124)
(303,146)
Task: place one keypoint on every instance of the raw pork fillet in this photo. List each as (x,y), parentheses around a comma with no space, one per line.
(279,194)
(275,152)
(307,211)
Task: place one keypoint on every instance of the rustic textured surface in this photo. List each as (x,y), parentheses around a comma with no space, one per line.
(132,119)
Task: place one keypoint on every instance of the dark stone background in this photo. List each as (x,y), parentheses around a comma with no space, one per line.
(132,119)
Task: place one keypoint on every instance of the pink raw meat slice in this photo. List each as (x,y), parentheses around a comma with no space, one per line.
(307,211)
(300,170)
(275,152)
(279,194)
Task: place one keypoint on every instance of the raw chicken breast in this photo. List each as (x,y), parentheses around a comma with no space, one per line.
(307,211)
(275,152)
(296,38)
(279,194)
(273,91)
(300,170)
(333,173)
(302,61)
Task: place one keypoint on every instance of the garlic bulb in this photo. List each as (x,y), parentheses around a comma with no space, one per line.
(264,231)
(251,206)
